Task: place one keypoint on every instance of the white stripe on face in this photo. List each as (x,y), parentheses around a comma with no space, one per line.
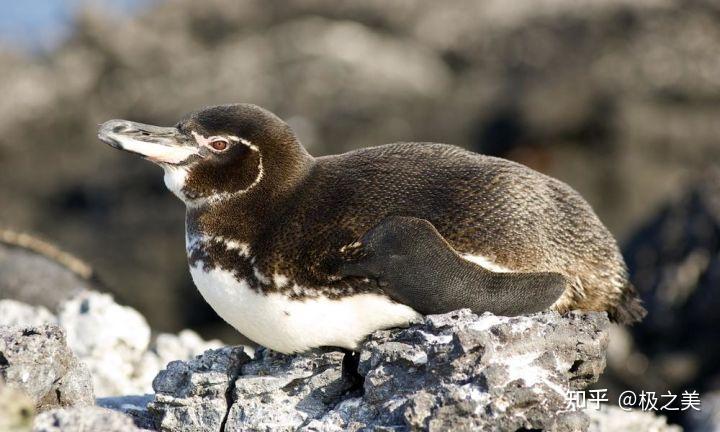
(205,141)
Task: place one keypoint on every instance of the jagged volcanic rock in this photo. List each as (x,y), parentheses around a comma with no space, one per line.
(450,372)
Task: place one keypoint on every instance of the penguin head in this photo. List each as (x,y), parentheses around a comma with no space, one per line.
(216,153)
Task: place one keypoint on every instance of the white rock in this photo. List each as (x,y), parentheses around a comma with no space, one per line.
(113,341)
(15,313)
(110,339)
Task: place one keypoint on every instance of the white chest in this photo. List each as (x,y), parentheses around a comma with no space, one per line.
(285,325)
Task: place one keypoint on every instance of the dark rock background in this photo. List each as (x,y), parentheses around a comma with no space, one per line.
(675,259)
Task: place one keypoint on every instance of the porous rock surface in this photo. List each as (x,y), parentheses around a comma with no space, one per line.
(112,340)
(37,362)
(455,371)
(194,395)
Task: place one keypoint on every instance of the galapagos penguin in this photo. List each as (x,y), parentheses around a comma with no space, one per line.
(298,252)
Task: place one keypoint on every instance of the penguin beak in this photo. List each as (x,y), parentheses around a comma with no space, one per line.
(162,145)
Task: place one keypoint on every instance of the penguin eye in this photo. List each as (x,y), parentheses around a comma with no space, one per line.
(219,145)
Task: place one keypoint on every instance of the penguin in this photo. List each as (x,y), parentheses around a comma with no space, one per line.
(298,252)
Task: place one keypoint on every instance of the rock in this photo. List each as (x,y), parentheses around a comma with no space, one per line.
(460,371)
(196,395)
(185,345)
(15,313)
(16,409)
(134,406)
(37,361)
(111,339)
(612,418)
(114,341)
(278,392)
(84,419)
(455,371)
(167,348)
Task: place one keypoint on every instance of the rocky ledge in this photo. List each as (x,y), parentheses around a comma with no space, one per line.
(456,371)
(451,372)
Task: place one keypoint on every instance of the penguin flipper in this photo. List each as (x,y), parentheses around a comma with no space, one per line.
(414,265)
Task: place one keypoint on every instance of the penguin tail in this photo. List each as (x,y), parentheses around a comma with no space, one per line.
(629,308)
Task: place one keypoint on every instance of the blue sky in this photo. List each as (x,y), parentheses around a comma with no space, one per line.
(42,24)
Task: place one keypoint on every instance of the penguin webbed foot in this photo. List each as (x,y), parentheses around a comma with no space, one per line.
(349,371)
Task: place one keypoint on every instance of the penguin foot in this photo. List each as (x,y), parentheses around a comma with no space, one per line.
(350,363)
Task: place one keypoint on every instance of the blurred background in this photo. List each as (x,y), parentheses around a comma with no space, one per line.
(618,98)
